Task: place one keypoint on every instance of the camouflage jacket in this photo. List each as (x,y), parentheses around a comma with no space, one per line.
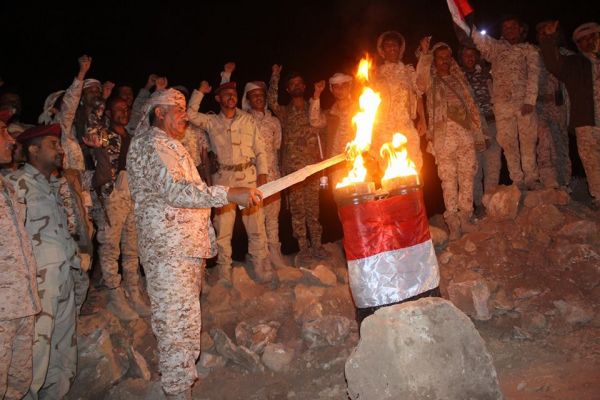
(270,132)
(73,153)
(338,123)
(171,203)
(18,286)
(480,79)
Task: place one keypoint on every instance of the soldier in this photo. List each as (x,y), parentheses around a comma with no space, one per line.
(337,120)
(113,214)
(300,148)
(516,67)
(454,130)
(489,161)
(242,160)
(55,252)
(554,163)
(172,209)
(18,287)
(581,75)
(254,101)
(401,101)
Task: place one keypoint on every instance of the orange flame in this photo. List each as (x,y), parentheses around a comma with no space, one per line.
(398,162)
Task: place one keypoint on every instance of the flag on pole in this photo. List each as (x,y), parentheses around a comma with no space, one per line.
(462,14)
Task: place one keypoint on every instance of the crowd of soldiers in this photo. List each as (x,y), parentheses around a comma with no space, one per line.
(137,176)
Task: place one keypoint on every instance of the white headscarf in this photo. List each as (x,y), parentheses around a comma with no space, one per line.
(585,29)
(91,82)
(167,97)
(252,86)
(392,34)
(47,116)
(339,78)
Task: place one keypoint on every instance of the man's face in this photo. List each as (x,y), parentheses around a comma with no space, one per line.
(469,58)
(341,91)
(7,144)
(256,99)
(512,31)
(441,59)
(391,50)
(119,113)
(227,98)
(90,94)
(49,153)
(589,43)
(11,100)
(126,93)
(175,121)
(296,87)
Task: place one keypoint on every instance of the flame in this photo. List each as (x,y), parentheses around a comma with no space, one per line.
(369,103)
(398,162)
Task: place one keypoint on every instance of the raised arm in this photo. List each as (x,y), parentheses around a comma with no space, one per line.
(317,117)
(197,118)
(273,92)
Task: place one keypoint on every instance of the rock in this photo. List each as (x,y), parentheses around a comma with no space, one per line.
(568,254)
(525,293)
(100,365)
(471,297)
(534,322)
(338,257)
(289,275)
(277,357)
(206,342)
(139,365)
(239,355)
(424,349)
(135,389)
(325,276)
(342,274)
(573,312)
(245,286)
(545,218)
(330,330)
(503,204)
(470,246)
(275,304)
(256,337)
(439,237)
(580,230)
(307,302)
(209,362)
(219,298)
(445,257)
(102,319)
(546,196)
(501,302)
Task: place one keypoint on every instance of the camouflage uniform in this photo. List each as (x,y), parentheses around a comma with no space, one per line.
(19,293)
(454,128)
(299,148)
(554,163)
(396,82)
(270,132)
(489,161)
(516,70)
(172,210)
(195,141)
(241,155)
(55,251)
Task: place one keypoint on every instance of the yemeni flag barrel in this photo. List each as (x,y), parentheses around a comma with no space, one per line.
(388,246)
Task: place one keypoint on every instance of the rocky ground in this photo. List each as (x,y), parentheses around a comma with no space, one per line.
(528,276)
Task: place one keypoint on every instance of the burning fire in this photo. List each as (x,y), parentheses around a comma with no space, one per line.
(398,162)
(363,120)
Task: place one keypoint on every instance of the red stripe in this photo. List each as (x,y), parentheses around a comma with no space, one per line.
(384,225)
(463,7)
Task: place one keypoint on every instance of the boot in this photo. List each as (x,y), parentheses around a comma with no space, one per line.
(275,256)
(185,395)
(466,224)
(453,223)
(118,305)
(137,301)
(320,253)
(225,274)
(303,258)
(263,271)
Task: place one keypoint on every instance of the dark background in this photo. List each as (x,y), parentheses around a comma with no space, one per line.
(190,41)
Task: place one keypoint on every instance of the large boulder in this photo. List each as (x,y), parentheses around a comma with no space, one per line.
(503,204)
(425,349)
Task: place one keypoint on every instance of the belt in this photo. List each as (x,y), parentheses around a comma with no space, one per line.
(237,167)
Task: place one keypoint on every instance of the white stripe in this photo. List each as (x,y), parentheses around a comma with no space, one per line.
(393,276)
(457,18)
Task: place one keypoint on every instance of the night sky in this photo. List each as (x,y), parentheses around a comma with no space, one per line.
(190,41)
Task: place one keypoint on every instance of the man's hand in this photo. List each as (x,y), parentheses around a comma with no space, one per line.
(261,179)
(319,87)
(550,28)
(424,44)
(107,88)
(244,196)
(229,68)
(204,88)
(276,69)
(93,141)
(151,81)
(85,62)
(527,109)
(161,83)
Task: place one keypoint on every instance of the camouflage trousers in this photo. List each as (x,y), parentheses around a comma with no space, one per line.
(119,238)
(271,207)
(456,165)
(554,164)
(16,339)
(517,135)
(588,147)
(253,219)
(55,339)
(489,164)
(303,199)
(174,285)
